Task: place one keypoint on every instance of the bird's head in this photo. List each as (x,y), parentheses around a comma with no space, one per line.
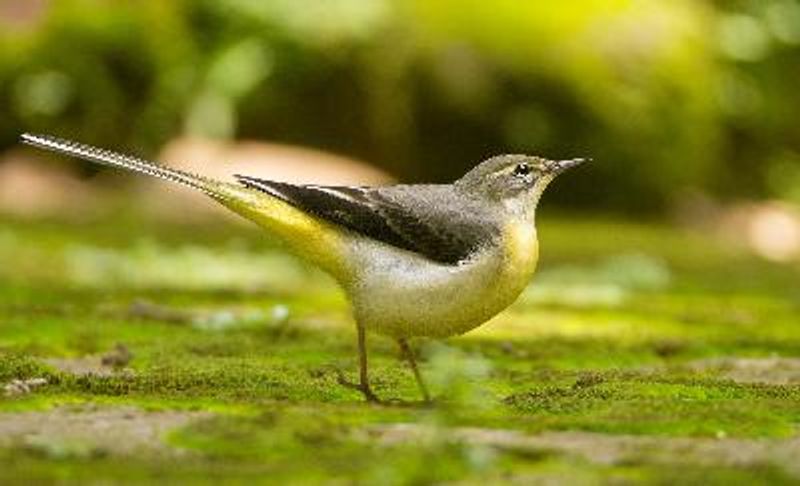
(514,181)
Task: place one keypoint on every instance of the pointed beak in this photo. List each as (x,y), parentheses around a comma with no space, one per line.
(558,166)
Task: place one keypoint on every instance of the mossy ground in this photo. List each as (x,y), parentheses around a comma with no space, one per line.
(629,332)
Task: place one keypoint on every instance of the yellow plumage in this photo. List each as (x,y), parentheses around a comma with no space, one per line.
(308,237)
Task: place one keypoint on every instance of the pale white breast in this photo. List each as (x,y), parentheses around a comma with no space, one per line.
(397,293)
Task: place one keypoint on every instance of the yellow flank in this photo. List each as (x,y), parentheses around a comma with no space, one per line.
(304,235)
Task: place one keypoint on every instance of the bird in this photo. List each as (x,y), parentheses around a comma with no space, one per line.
(415,260)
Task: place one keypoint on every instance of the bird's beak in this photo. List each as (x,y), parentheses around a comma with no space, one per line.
(558,166)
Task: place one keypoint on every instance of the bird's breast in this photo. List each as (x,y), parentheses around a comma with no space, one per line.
(521,251)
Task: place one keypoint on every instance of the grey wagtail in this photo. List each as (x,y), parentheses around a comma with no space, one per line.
(422,260)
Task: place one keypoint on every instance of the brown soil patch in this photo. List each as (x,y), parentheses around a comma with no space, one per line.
(87,365)
(91,430)
(611,449)
(110,363)
(778,371)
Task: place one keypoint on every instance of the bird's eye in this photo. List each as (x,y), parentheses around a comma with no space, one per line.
(522,170)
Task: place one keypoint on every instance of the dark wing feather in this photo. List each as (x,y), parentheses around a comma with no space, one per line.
(433,221)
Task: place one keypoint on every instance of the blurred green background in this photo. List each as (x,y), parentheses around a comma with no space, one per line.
(669,98)
(144,336)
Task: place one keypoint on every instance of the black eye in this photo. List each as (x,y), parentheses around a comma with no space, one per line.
(522,170)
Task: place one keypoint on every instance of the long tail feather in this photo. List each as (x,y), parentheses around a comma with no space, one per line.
(306,235)
(114,159)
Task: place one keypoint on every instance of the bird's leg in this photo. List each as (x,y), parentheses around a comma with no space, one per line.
(363,385)
(408,353)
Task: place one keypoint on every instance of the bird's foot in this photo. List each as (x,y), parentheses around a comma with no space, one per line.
(364,388)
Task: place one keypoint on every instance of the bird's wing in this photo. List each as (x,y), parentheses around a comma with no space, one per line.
(432,221)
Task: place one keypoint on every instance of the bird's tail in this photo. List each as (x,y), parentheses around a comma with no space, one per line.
(306,235)
(114,159)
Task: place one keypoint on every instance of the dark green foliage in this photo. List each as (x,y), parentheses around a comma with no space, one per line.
(426,91)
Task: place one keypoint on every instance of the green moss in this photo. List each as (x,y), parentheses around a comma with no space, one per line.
(627,366)
(18,366)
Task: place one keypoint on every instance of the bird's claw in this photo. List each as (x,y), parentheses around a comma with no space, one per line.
(364,389)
